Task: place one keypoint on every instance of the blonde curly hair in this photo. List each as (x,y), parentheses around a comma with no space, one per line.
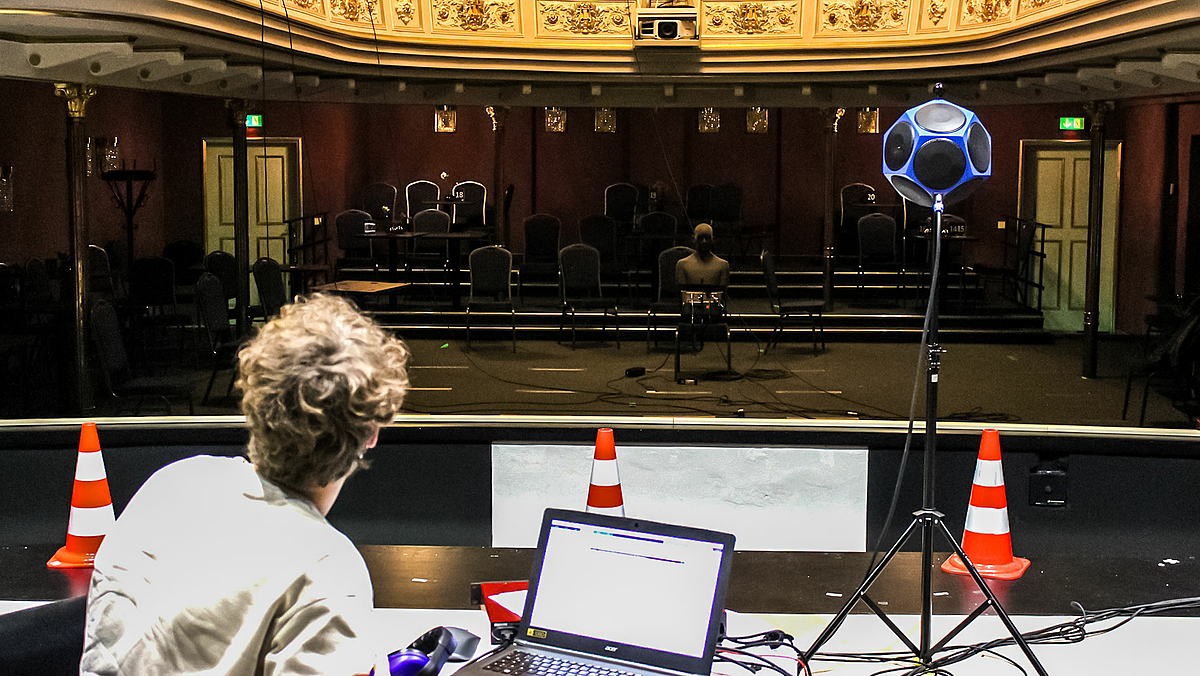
(316,383)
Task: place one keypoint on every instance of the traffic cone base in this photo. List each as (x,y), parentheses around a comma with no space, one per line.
(1000,571)
(91,506)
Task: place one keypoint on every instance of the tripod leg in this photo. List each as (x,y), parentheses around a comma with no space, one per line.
(987,591)
(837,620)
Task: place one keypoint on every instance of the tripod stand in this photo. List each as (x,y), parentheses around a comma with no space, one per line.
(928,519)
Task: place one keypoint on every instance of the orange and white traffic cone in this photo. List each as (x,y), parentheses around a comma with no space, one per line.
(986,540)
(604,494)
(91,506)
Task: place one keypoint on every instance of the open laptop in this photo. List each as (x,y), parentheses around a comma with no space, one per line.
(613,595)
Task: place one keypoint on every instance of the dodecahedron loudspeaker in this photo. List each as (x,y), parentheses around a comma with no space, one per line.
(937,148)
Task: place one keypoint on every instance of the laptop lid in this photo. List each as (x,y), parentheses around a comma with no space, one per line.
(628,589)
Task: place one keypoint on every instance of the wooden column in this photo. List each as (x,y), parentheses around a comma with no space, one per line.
(241,212)
(499,115)
(832,116)
(1097,112)
(77,96)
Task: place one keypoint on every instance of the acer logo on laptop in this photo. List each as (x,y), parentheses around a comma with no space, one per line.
(611,648)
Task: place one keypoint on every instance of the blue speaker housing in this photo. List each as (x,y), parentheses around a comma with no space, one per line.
(937,148)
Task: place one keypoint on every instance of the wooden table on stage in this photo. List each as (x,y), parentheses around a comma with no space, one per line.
(393,239)
(762,582)
(359,286)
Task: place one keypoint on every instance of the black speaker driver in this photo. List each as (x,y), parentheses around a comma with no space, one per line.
(898,146)
(939,164)
(960,193)
(910,190)
(979,147)
(940,118)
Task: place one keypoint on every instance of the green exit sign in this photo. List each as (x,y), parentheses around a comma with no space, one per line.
(257,120)
(1070,123)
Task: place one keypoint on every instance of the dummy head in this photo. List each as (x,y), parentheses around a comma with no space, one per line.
(703,238)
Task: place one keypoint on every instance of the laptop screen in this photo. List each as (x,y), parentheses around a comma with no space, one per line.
(633,590)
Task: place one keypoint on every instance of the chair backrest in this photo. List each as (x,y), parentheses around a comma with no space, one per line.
(852,198)
(491,273)
(349,224)
(214,310)
(726,203)
(768,267)
(10,288)
(419,196)
(223,266)
(378,200)
(268,277)
(431,220)
(620,202)
(658,223)
(38,289)
(152,282)
(599,231)
(100,275)
(469,214)
(110,348)
(188,258)
(668,260)
(541,238)
(877,238)
(699,202)
(579,272)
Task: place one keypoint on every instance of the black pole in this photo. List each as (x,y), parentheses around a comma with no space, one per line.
(831,126)
(1097,111)
(241,213)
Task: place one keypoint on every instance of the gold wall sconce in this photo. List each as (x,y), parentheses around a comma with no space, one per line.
(868,120)
(445,119)
(606,121)
(757,120)
(709,121)
(556,120)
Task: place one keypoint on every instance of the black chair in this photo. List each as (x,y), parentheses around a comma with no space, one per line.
(1020,273)
(579,287)
(657,232)
(491,285)
(668,290)
(1172,363)
(357,251)
(214,317)
(855,200)
(102,281)
(699,203)
(620,204)
(379,200)
(726,213)
(223,266)
(600,232)
(878,248)
(791,309)
(188,258)
(542,239)
(45,640)
(114,365)
(433,252)
(152,298)
(268,278)
(468,214)
(419,196)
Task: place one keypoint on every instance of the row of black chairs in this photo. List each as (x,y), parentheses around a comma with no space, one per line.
(469,205)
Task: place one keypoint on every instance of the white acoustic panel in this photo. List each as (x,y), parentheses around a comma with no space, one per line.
(773,499)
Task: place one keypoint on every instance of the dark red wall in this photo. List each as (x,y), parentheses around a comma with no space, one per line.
(346,146)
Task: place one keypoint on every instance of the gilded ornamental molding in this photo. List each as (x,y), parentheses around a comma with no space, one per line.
(355,11)
(977,12)
(864,16)
(750,18)
(585,18)
(314,6)
(406,14)
(476,15)
(937,11)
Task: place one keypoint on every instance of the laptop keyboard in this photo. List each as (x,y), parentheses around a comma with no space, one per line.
(519,662)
